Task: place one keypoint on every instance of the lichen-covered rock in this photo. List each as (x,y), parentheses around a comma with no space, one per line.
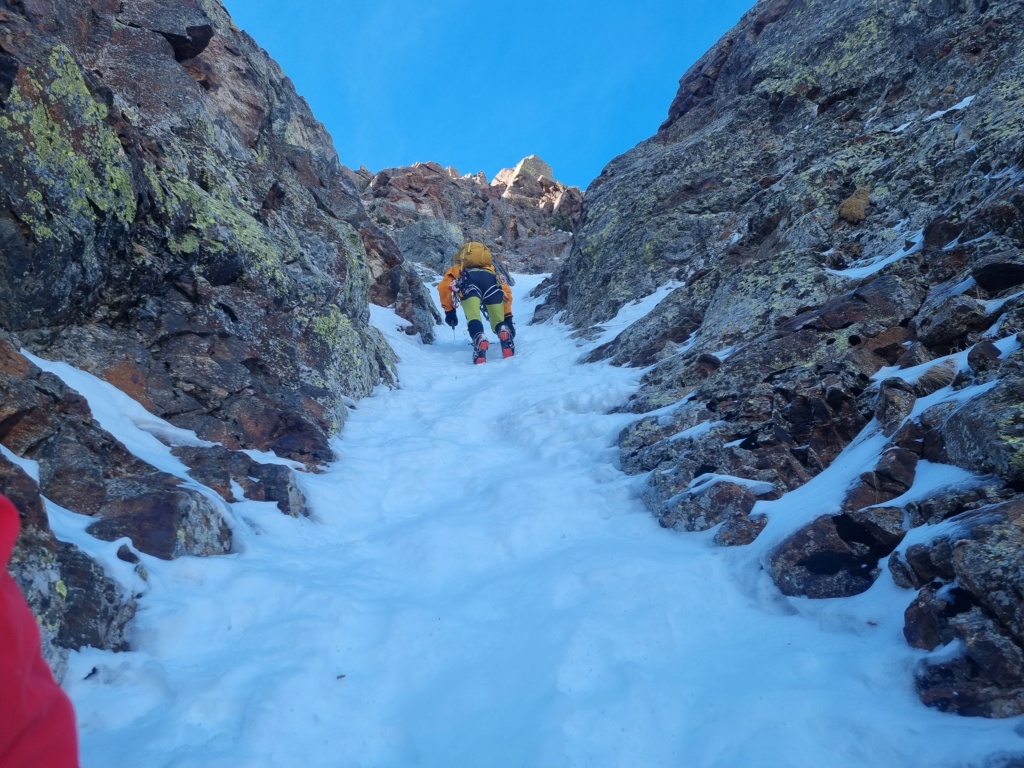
(164,191)
(986,434)
(175,221)
(990,564)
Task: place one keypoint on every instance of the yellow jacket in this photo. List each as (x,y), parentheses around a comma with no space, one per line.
(478,256)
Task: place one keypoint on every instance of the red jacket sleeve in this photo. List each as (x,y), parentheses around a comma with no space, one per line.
(37,722)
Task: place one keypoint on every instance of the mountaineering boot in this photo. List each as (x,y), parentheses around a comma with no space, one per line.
(480,345)
(508,347)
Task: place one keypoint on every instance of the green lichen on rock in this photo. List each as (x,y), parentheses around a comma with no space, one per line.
(337,344)
(357,273)
(69,161)
(212,222)
(786,84)
(332,330)
(188,243)
(789,62)
(1010,426)
(349,358)
(847,56)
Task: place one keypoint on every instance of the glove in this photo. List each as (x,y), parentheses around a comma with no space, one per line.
(451,318)
(511,327)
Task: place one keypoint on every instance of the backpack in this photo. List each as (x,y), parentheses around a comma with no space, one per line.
(475,255)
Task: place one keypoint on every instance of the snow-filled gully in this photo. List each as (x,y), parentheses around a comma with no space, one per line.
(478,585)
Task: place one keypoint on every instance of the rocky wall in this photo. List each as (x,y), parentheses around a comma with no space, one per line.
(837,190)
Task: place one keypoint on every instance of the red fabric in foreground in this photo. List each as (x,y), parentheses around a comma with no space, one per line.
(37,721)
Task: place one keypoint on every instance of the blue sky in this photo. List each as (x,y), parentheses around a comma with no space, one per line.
(479,85)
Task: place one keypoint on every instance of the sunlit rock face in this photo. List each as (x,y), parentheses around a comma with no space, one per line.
(523,215)
(837,199)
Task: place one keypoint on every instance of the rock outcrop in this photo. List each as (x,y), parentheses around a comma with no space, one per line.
(175,221)
(838,189)
(524,215)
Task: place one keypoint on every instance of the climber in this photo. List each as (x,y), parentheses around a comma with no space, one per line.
(473,282)
(37,721)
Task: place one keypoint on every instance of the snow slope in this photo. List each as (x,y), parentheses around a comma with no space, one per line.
(479,587)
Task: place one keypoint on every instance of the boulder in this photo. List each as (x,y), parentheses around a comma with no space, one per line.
(161,518)
(896,400)
(817,561)
(984,359)
(740,530)
(951,321)
(984,435)
(709,504)
(223,470)
(891,477)
(1000,271)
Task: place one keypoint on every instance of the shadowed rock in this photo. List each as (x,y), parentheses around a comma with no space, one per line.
(999,272)
(818,561)
(969,595)
(74,601)
(219,469)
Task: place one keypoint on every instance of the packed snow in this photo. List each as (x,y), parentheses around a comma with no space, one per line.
(479,586)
